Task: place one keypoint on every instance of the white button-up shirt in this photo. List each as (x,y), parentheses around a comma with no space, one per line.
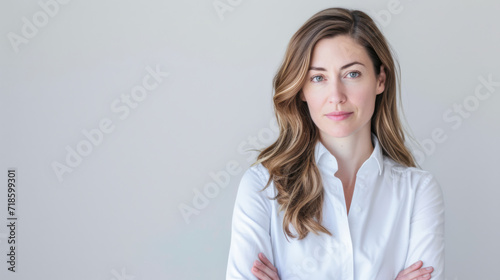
(396,218)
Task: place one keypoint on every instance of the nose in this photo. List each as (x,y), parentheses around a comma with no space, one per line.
(337,93)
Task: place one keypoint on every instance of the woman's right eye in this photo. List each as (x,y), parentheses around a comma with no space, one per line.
(317,79)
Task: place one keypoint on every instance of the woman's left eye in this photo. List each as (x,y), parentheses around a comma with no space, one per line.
(356,74)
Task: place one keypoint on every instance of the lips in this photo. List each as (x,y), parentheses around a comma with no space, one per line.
(338,116)
(339,113)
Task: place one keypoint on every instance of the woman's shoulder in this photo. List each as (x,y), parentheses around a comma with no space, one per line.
(258,169)
(255,178)
(414,179)
(397,170)
(420,183)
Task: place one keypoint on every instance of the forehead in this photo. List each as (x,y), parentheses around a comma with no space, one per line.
(338,51)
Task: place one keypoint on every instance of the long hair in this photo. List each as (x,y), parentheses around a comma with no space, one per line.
(290,159)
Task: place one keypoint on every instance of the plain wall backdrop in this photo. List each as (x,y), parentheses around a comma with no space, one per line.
(121,115)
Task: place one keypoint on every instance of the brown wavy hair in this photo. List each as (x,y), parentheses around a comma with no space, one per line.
(290,160)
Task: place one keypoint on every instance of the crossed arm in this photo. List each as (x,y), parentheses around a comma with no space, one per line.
(263,269)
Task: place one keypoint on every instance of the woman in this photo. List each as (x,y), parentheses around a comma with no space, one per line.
(337,196)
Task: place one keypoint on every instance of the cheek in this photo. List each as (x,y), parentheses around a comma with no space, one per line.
(315,106)
(315,110)
(364,99)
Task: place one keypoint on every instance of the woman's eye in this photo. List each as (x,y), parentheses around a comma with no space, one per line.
(317,79)
(353,74)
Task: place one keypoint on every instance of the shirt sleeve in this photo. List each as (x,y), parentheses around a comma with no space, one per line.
(427,228)
(250,231)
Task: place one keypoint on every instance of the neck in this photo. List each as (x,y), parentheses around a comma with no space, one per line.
(350,152)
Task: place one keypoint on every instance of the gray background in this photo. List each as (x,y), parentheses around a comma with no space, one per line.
(116,215)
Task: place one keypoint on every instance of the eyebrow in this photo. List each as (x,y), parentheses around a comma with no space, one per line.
(341,68)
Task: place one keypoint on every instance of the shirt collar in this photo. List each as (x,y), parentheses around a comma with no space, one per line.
(376,157)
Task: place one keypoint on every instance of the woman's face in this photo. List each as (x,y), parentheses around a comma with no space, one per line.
(341,87)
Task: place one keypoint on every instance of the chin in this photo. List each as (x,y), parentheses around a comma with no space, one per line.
(337,133)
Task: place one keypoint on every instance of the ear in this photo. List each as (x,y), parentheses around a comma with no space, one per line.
(381,80)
